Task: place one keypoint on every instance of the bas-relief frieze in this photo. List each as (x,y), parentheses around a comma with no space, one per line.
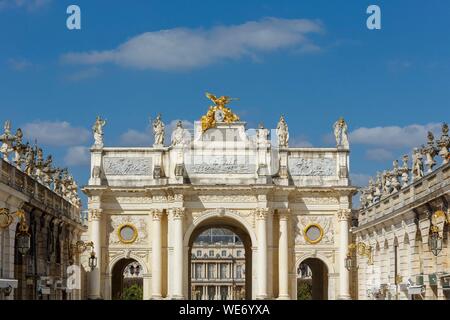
(127,166)
(221,164)
(325,222)
(123,199)
(118,220)
(225,198)
(312,167)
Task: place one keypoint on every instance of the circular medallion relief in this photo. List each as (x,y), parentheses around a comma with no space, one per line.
(127,233)
(313,233)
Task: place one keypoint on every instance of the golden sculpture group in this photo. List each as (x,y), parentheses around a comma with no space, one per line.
(209,120)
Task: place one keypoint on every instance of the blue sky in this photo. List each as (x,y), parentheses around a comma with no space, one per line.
(318,62)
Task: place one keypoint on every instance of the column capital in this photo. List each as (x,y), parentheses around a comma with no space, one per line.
(157,214)
(95,214)
(284,214)
(344,214)
(178,213)
(261,213)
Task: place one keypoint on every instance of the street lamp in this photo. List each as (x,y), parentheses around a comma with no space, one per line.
(92,261)
(435,240)
(23,236)
(349,262)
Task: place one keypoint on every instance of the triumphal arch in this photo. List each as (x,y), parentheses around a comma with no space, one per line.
(288,205)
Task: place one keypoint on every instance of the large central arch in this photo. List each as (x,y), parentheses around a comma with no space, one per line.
(232,221)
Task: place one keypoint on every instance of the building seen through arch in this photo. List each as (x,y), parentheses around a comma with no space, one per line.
(218,266)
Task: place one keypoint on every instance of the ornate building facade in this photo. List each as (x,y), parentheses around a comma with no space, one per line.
(403,228)
(39,224)
(218,266)
(287,205)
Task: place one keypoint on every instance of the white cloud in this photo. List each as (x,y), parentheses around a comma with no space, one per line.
(300,142)
(77,156)
(184,48)
(392,137)
(84,74)
(57,133)
(359,179)
(30,5)
(19,64)
(379,154)
(134,138)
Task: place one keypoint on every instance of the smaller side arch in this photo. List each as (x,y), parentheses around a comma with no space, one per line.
(121,256)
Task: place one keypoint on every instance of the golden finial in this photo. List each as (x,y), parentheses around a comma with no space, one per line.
(226,115)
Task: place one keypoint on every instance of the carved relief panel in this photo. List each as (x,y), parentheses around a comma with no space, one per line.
(135,225)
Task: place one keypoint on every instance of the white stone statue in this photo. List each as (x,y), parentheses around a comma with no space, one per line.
(378,187)
(7,139)
(405,171)
(444,144)
(395,174)
(29,160)
(39,174)
(430,151)
(158,131)
(19,150)
(97,129)
(417,168)
(262,135)
(341,133)
(179,135)
(282,133)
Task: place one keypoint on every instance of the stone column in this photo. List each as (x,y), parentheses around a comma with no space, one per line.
(156,255)
(261,226)
(344,216)
(283,258)
(95,275)
(178,217)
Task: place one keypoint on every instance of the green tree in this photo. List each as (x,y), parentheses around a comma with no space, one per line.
(304,291)
(133,292)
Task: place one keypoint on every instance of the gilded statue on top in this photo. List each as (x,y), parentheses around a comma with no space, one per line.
(218,113)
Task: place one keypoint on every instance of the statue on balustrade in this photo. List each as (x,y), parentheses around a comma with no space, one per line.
(417,168)
(341,133)
(158,131)
(387,183)
(404,170)
(378,188)
(38,174)
(19,150)
(262,135)
(430,151)
(7,139)
(97,129)
(30,160)
(57,180)
(180,136)
(48,171)
(282,133)
(444,144)
(395,174)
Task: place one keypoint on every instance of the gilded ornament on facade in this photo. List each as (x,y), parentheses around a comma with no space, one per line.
(127,238)
(218,113)
(307,233)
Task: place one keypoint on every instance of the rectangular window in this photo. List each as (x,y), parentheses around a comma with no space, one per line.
(238,253)
(223,271)
(199,253)
(211,271)
(239,272)
(211,253)
(198,271)
(224,253)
